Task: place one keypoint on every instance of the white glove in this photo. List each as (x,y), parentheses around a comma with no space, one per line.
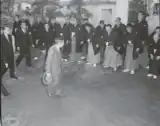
(107,43)
(6,64)
(158,58)
(129,42)
(97,46)
(82,42)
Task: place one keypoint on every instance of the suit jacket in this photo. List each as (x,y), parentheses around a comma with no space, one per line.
(56,28)
(23,40)
(100,34)
(48,38)
(7,47)
(67,28)
(53,62)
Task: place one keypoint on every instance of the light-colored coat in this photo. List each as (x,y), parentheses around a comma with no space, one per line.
(53,62)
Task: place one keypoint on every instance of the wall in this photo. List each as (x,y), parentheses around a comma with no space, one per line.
(96,11)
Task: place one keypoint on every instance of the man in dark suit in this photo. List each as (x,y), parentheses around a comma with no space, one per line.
(100,32)
(67,29)
(8,47)
(55,27)
(24,44)
(3,69)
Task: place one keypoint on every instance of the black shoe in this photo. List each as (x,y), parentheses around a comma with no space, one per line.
(14,77)
(6,94)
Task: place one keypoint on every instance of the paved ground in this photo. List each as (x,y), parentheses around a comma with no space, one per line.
(94,97)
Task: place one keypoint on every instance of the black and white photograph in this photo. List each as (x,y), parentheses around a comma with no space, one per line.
(80,62)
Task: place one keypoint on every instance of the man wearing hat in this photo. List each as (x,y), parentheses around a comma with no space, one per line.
(100,32)
(8,48)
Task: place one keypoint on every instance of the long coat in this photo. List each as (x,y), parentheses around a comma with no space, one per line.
(131,37)
(23,40)
(53,62)
(78,36)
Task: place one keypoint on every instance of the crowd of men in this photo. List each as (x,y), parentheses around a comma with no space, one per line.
(41,33)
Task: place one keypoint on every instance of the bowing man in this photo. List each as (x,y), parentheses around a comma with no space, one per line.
(154,53)
(8,50)
(24,42)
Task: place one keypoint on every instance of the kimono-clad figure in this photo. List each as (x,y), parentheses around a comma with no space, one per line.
(53,68)
(154,53)
(100,32)
(76,36)
(132,51)
(56,27)
(48,37)
(67,28)
(24,43)
(93,57)
(142,34)
(112,58)
(83,43)
(16,26)
(120,28)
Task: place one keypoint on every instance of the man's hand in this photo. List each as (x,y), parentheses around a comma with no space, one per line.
(137,50)
(151,56)
(158,58)
(81,42)
(143,42)
(37,42)
(97,46)
(6,65)
(129,42)
(118,48)
(33,45)
(18,48)
(67,42)
(107,44)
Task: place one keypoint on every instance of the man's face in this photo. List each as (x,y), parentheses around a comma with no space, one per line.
(46,26)
(67,20)
(60,43)
(23,25)
(158,31)
(156,37)
(102,25)
(108,28)
(117,22)
(47,19)
(140,16)
(17,18)
(7,30)
(129,29)
(88,28)
(53,20)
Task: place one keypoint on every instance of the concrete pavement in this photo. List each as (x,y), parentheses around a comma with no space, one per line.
(94,97)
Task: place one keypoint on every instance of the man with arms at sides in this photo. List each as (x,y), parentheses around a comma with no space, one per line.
(53,68)
(8,50)
(55,27)
(67,29)
(100,32)
(3,69)
(24,43)
(142,34)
